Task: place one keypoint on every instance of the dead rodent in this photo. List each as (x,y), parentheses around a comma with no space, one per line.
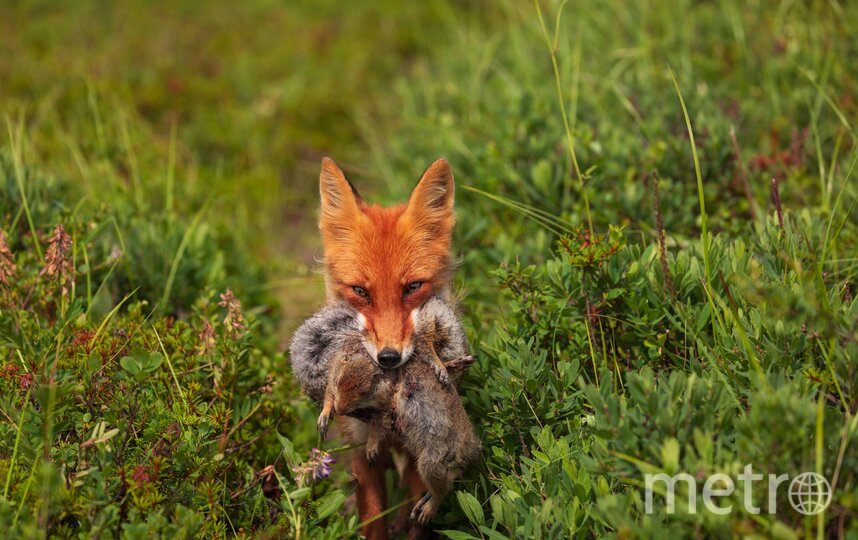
(413,403)
(335,329)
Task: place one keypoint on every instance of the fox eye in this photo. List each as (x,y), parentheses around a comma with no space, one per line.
(413,287)
(360,291)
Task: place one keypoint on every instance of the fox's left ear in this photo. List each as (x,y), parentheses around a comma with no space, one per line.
(431,202)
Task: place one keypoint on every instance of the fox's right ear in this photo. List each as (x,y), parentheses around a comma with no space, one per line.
(339,197)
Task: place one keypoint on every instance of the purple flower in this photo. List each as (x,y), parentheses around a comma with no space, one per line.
(317,468)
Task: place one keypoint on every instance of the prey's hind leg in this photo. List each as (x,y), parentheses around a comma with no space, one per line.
(440,368)
(374,441)
(328,405)
(438,481)
(326,415)
(418,506)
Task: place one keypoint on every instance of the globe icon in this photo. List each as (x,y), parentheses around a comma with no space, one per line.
(809,493)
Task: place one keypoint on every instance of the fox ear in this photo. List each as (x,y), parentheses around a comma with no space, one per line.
(339,197)
(432,197)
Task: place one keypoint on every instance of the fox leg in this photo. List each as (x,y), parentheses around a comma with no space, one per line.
(371,489)
(371,494)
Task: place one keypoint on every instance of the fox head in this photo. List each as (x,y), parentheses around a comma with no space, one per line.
(386,262)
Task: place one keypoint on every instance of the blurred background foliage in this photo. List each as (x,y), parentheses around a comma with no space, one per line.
(228,108)
(178,144)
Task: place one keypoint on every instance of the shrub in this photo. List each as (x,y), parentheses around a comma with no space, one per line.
(152,409)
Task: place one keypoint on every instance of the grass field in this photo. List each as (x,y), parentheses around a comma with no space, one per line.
(657,241)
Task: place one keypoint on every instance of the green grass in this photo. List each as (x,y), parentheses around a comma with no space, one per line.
(180,153)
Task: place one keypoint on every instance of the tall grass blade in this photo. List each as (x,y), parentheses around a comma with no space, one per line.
(16,142)
(570,139)
(111,314)
(704,227)
(177,258)
(14,458)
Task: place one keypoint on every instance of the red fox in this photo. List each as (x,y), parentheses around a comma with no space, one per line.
(385,263)
(408,403)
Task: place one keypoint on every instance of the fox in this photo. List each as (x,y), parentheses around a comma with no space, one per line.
(409,402)
(385,262)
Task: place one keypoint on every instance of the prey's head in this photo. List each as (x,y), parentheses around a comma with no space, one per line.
(356,386)
(386,262)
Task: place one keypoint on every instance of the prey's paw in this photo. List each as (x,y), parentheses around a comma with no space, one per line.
(426,513)
(442,375)
(416,512)
(372,453)
(423,513)
(322,424)
(460,363)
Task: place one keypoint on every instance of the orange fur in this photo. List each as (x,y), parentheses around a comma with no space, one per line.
(371,494)
(382,251)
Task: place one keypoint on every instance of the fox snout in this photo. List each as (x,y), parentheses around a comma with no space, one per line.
(388,340)
(389,358)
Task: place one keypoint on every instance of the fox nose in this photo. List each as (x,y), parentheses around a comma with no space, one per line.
(388,357)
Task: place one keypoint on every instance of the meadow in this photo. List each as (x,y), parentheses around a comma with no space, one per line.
(657,248)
